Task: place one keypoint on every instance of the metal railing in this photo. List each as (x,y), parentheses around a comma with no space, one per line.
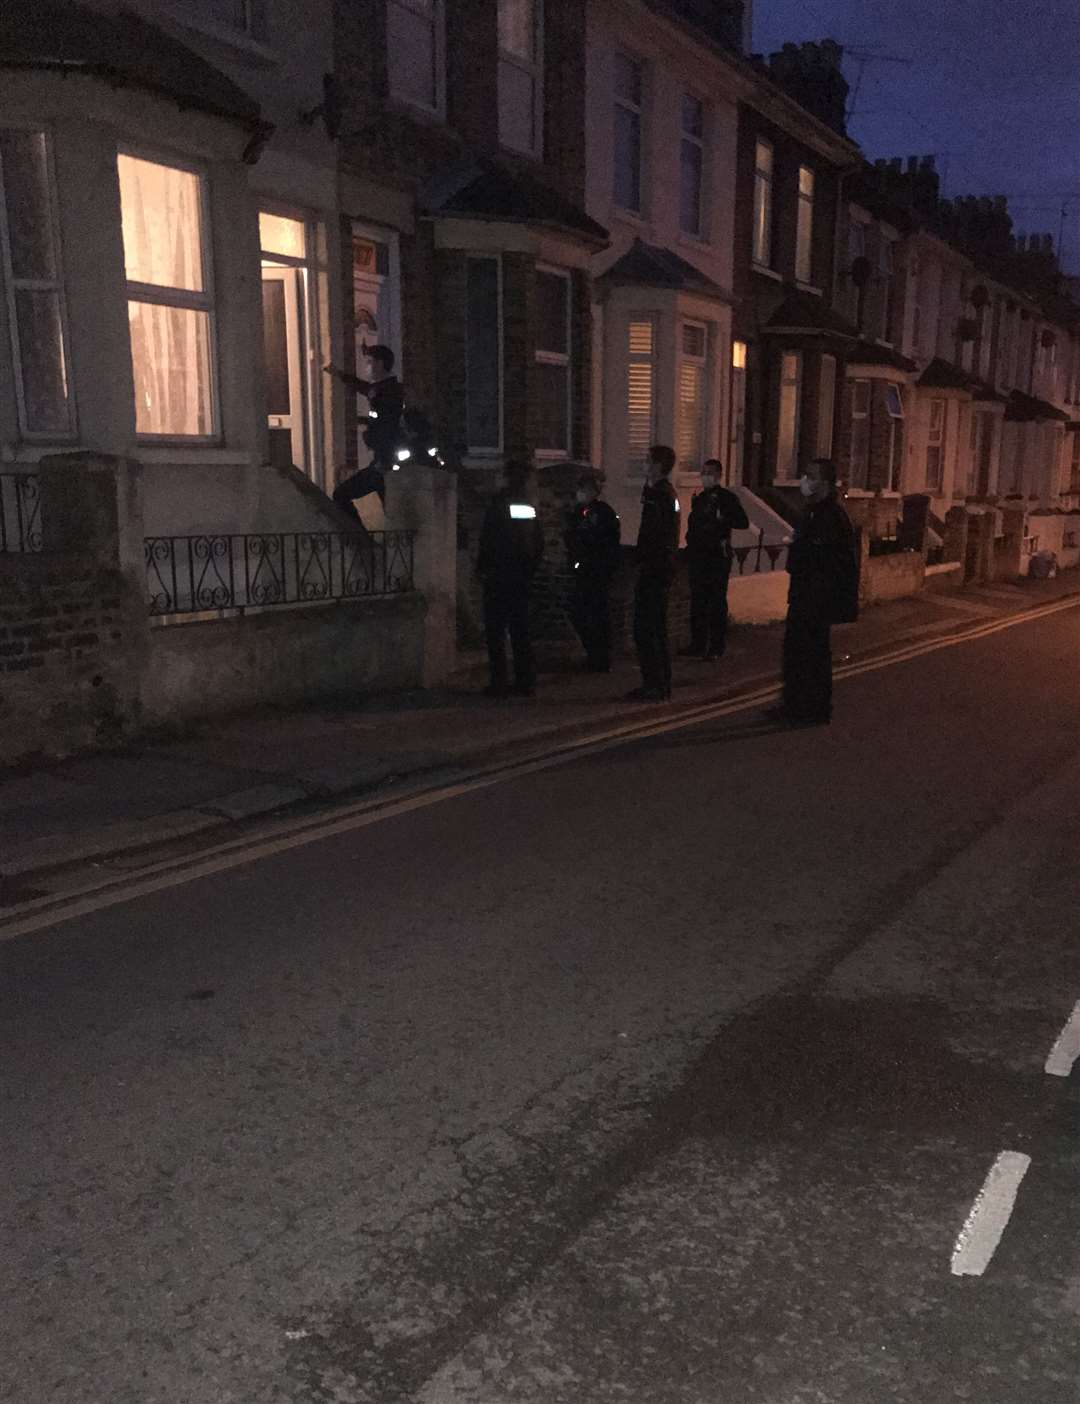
(760,557)
(20,513)
(211,572)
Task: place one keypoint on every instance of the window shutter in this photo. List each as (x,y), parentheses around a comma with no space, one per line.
(641,394)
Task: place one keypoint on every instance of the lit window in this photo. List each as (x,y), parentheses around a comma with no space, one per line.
(737,426)
(935,446)
(629,96)
(826,407)
(553,362)
(30,248)
(804,234)
(692,165)
(520,76)
(763,204)
(787,435)
(169,304)
(414,43)
(483,373)
(283,236)
(640,392)
(860,434)
(690,432)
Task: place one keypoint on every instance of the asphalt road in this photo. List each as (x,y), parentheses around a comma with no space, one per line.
(668,1074)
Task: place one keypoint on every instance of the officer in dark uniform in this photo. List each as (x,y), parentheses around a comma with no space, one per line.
(714,514)
(592,546)
(657,547)
(511,548)
(823,561)
(382,432)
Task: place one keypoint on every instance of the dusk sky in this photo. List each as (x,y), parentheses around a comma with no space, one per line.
(993,90)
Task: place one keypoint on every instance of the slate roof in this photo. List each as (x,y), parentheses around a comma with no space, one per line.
(123,49)
(869,353)
(940,375)
(646,265)
(478,188)
(803,312)
(1025,408)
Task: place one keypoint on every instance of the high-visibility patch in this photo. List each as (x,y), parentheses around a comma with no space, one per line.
(403,455)
(522,512)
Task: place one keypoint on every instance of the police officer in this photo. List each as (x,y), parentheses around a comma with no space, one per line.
(382,432)
(592,545)
(823,562)
(511,548)
(657,545)
(714,514)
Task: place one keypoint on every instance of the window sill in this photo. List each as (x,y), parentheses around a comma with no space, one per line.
(786,482)
(696,241)
(551,455)
(809,288)
(429,116)
(181,453)
(767,272)
(632,217)
(859,493)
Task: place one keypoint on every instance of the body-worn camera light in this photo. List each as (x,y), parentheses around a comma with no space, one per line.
(522,512)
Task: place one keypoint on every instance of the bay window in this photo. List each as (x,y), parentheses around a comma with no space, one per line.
(787,435)
(640,391)
(860,433)
(30,249)
(170,306)
(935,446)
(521,76)
(553,361)
(690,429)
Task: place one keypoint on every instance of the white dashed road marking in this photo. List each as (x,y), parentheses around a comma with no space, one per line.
(1067,1048)
(977,1241)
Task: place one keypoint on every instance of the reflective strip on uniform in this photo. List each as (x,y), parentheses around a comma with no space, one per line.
(522,512)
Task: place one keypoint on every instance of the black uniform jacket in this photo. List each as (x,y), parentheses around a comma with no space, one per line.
(592,540)
(658,535)
(823,561)
(386,401)
(511,543)
(714,514)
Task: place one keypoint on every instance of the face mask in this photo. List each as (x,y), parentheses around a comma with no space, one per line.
(808,487)
(708,480)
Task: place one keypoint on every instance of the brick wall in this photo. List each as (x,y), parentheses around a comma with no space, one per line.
(71,636)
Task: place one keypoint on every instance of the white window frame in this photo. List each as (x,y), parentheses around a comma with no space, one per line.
(638,110)
(788,472)
(53,284)
(558,358)
(826,406)
(700,363)
(311,342)
(486,450)
(935,440)
(804,229)
(535,71)
(762,241)
(859,474)
(437,20)
(203,301)
(699,143)
(636,465)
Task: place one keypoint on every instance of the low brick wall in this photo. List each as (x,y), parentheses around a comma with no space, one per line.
(71,644)
(892,577)
(283,656)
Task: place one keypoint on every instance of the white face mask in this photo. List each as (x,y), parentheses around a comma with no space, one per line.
(708,480)
(808,486)
(583,495)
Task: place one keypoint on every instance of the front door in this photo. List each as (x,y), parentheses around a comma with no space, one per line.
(283,341)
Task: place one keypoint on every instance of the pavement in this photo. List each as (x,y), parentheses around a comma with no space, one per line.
(689,1070)
(222,775)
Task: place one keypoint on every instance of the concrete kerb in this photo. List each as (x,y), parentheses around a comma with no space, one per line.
(307,793)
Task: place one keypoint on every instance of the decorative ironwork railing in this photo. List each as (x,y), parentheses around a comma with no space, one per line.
(20,513)
(210,572)
(761,557)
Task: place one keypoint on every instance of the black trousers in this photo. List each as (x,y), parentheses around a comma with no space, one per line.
(370,479)
(506,611)
(709,606)
(650,628)
(807,667)
(590,613)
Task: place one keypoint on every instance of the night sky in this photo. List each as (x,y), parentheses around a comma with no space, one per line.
(993,90)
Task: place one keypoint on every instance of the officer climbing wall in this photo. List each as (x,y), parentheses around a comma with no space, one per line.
(382,425)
